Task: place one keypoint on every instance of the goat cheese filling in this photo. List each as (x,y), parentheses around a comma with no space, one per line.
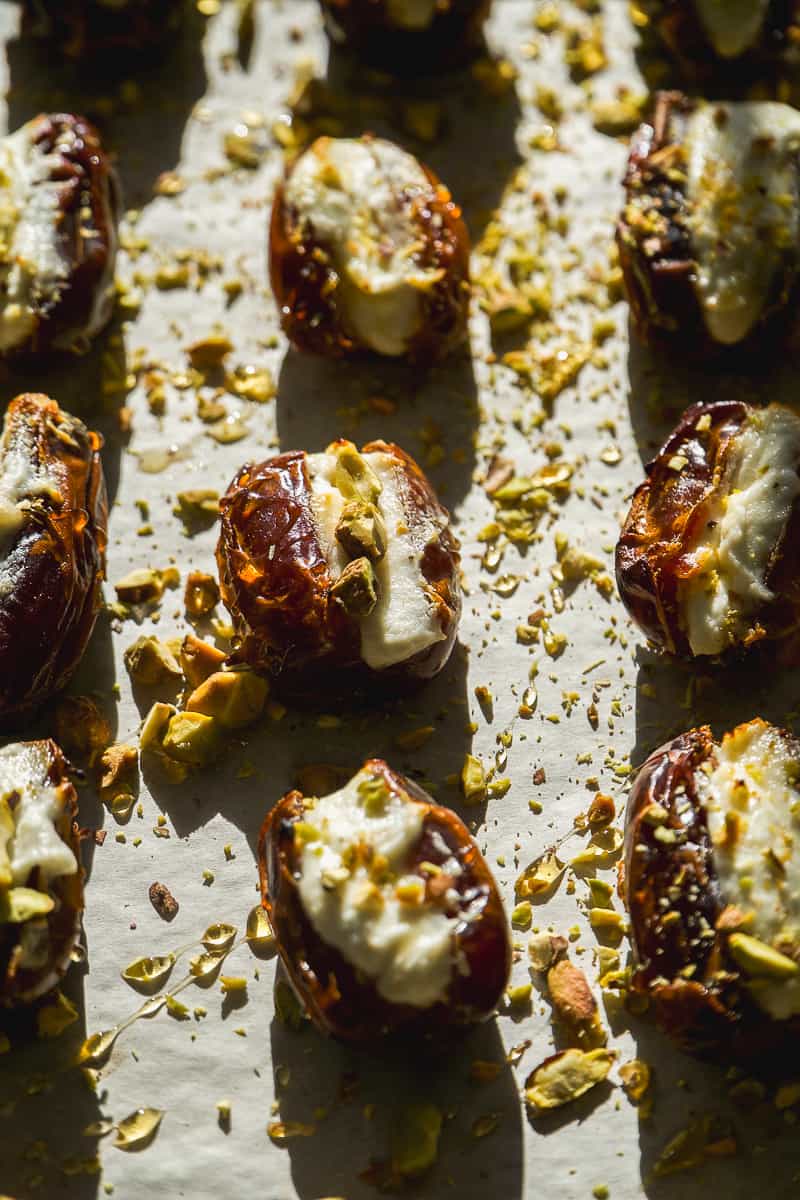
(359,898)
(33,271)
(750,793)
(744,204)
(411,14)
(22,479)
(732,26)
(745,525)
(404,621)
(358,199)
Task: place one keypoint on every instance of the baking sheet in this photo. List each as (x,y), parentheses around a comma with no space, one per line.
(174,118)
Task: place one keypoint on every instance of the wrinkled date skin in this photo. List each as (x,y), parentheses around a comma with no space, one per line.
(305,282)
(654,555)
(710,1014)
(19,985)
(341,1001)
(52,566)
(275,582)
(88,212)
(656,256)
(453,36)
(678,25)
(83,28)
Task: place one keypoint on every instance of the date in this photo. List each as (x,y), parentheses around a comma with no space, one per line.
(385,914)
(41,880)
(59,207)
(53,515)
(713,888)
(368,253)
(339,570)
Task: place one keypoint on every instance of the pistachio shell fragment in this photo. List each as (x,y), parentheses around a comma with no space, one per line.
(541,877)
(234,698)
(567,1076)
(219,936)
(146,973)
(760,959)
(137,1130)
(259,931)
(355,589)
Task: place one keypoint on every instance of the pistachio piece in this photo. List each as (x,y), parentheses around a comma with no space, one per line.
(473,780)
(19,904)
(155,726)
(415,1139)
(566,1076)
(199,659)
(201,595)
(149,661)
(760,959)
(361,531)
(7,829)
(197,508)
(355,588)
(354,477)
(234,698)
(209,352)
(145,584)
(193,738)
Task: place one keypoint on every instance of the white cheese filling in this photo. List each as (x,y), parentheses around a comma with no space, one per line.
(404,621)
(357,198)
(32,268)
(405,946)
(745,527)
(37,806)
(752,802)
(744,202)
(411,14)
(732,26)
(22,479)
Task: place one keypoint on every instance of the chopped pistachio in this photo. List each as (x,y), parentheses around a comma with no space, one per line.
(201,594)
(149,661)
(354,477)
(355,589)
(234,698)
(567,1076)
(760,959)
(473,780)
(199,659)
(361,531)
(415,1139)
(193,738)
(146,584)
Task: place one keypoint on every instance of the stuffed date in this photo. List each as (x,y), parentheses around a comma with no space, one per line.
(41,881)
(339,569)
(368,252)
(712,884)
(407,37)
(53,513)
(385,913)
(84,28)
(59,206)
(730,31)
(707,557)
(709,237)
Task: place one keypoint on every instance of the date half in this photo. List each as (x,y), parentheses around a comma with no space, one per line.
(712,883)
(707,560)
(408,37)
(385,913)
(339,570)
(53,514)
(59,207)
(41,880)
(368,253)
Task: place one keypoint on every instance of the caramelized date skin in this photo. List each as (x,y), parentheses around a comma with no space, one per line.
(20,985)
(678,25)
(656,257)
(48,614)
(89,207)
(454,35)
(304,281)
(275,582)
(667,513)
(83,28)
(342,1002)
(710,1013)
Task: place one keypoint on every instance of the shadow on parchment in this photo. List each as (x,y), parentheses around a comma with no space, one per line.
(263,764)
(321,399)
(141,106)
(352,1136)
(47,1108)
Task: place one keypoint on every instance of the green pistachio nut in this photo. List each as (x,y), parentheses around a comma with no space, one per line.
(355,588)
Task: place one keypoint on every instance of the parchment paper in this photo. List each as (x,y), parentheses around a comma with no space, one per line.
(174,117)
